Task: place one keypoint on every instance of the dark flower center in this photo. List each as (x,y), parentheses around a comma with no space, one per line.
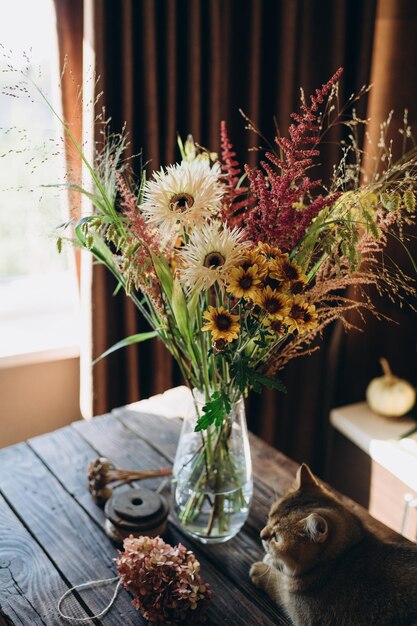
(298,312)
(271,282)
(220,344)
(214,259)
(182,201)
(276,326)
(246,282)
(297,287)
(272,305)
(290,271)
(223,321)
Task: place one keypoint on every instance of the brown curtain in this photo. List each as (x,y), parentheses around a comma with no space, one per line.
(69,23)
(394,76)
(184,65)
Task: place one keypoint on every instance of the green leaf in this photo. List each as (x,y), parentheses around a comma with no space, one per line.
(409,200)
(391,201)
(59,245)
(128,341)
(118,287)
(180,310)
(180,146)
(100,250)
(64,225)
(214,411)
(266,381)
(193,302)
(247,377)
(96,200)
(164,274)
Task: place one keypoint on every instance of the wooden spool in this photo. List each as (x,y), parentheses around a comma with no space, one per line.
(135,512)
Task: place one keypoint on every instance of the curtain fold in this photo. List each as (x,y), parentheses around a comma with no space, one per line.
(394,78)
(70,27)
(184,65)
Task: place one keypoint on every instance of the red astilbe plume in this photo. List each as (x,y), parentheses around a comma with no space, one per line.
(143,232)
(276,219)
(232,208)
(143,239)
(164,580)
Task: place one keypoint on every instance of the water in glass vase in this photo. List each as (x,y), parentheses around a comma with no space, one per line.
(213,477)
(205,523)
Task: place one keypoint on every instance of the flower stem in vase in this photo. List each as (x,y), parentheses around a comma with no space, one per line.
(213,487)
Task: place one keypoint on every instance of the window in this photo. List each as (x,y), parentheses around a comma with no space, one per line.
(38,287)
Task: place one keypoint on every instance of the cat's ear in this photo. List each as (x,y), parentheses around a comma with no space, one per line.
(305,478)
(316,528)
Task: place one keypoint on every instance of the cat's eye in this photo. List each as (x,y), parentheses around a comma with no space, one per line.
(277,537)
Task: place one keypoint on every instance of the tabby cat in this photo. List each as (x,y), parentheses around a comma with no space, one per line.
(325,569)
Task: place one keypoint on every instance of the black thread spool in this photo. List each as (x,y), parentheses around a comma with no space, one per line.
(135,512)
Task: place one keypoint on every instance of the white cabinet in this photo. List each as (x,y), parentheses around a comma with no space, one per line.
(374,461)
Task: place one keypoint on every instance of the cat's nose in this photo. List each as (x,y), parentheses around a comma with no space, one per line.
(265,534)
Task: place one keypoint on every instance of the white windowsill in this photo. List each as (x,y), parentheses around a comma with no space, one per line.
(45,356)
(39,320)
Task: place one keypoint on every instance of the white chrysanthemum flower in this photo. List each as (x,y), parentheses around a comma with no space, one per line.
(210,255)
(182,195)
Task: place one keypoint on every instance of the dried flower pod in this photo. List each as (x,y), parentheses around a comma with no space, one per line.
(98,477)
(101,495)
(101,472)
(164,580)
(219,345)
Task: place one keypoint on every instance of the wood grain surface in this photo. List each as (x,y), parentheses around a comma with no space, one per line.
(52,532)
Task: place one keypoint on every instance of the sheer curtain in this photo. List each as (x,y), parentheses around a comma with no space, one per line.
(184,65)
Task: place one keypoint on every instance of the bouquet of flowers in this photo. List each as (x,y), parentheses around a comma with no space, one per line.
(237,270)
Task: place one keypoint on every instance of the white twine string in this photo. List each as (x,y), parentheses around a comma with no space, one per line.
(91,583)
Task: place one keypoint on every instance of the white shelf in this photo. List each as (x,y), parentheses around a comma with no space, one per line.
(384,440)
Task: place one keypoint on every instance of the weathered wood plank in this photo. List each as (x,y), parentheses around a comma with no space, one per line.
(114,440)
(271,469)
(126,450)
(24,568)
(72,542)
(67,455)
(163,433)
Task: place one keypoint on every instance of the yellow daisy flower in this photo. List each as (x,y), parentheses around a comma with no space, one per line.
(276,304)
(275,285)
(275,327)
(251,258)
(302,316)
(221,323)
(286,271)
(297,286)
(244,283)
(268,251)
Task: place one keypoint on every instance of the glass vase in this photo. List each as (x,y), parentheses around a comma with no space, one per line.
(212,475)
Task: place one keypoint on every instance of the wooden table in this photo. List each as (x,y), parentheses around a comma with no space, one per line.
(52,537)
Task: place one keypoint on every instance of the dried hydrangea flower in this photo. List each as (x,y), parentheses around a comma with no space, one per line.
(164,580)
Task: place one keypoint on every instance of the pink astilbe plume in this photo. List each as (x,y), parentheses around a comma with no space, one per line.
(232,206)
(164,580)
(143,239)
(283,182)
(144,233)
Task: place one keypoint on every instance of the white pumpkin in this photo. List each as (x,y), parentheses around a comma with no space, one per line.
(389,395)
